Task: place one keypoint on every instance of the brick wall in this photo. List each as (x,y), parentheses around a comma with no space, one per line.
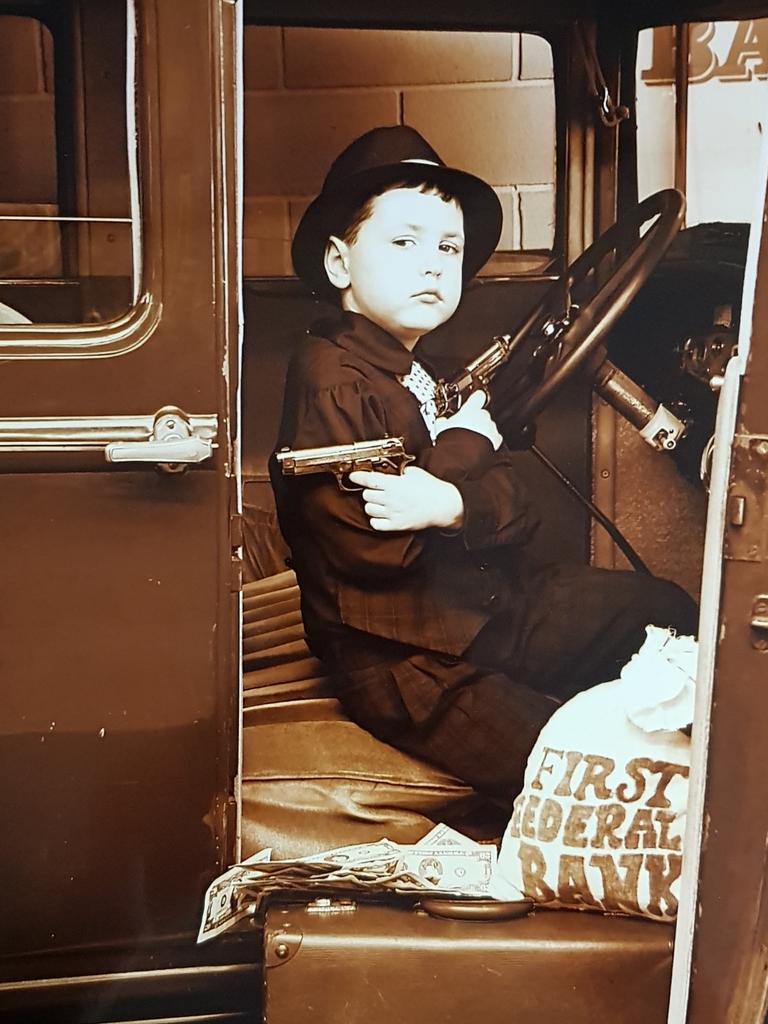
(485,101)
(27,149)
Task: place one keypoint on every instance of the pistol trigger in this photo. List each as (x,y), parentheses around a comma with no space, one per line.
(348,488)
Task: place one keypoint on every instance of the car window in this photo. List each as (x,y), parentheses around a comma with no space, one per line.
(66,226)
(727,98)
(484,100)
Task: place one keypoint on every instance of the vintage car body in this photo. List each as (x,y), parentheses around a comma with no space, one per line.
(120,623)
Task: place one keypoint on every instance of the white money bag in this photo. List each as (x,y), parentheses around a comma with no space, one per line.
(599,824)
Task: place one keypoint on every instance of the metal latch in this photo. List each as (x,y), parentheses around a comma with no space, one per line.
(173,444)
(324,905)
(746,538)
(759,622)
(282,944)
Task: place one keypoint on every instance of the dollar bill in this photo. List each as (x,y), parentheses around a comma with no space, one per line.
(444,835)
(222,906)
(360,853)
(444,860)
(450,868)
(262,857)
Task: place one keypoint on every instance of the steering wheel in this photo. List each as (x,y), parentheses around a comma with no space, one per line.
(567,341)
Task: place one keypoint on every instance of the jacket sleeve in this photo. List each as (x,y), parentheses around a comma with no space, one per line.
(456,454)
(345,412)
(497,510)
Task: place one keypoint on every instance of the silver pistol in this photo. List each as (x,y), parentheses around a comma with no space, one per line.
(384,455)
(451,394)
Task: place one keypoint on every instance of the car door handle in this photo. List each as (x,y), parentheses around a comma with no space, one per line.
(170,438)
(175,441)
(193,449)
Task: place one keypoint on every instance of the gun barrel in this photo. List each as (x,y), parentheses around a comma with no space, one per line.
(339,457)
(493,357)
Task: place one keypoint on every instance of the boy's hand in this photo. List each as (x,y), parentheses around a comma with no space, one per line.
(414,500)
(472,416)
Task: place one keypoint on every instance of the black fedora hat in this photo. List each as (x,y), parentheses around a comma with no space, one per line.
(381,157)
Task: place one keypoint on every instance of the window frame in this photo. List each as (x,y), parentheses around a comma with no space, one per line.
(132,328)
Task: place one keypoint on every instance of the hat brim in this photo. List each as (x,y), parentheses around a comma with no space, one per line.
(326,215)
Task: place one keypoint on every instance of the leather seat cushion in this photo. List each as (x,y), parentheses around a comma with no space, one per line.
(313,780)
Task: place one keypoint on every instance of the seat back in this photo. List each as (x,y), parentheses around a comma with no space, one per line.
(277,664)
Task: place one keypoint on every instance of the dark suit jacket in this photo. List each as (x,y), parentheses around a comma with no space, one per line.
(444,646)
(425,589)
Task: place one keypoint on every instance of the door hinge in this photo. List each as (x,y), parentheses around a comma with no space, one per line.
(236,574)
(746,532)
(759,622)
(236,530)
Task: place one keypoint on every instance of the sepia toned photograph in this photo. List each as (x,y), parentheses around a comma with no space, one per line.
(383,480)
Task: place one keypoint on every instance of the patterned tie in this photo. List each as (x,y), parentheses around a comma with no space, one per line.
(422,387)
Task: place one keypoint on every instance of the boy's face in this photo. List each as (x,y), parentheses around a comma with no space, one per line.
(403,270)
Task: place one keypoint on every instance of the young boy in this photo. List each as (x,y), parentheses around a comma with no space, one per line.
(417,590)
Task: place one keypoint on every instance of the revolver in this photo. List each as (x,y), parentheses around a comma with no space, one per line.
(385,454)
(451,394)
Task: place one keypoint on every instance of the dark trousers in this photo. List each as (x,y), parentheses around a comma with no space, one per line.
(478,717)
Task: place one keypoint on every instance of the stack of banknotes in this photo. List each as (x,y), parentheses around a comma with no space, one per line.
(443,861)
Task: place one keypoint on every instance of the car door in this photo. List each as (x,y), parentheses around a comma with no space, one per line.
(118,507)
(720,962)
